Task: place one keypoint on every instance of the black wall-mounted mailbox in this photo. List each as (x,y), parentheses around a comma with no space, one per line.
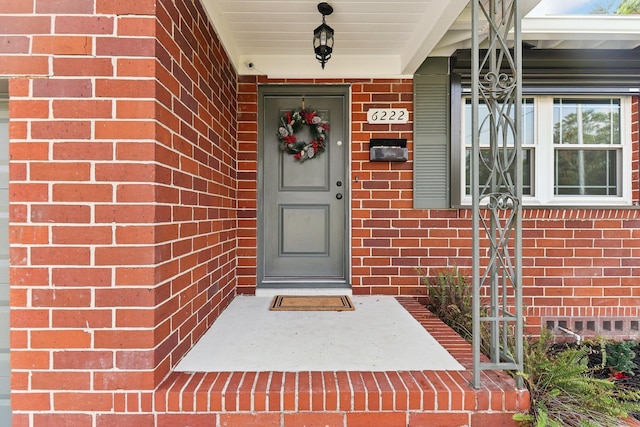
(388,150)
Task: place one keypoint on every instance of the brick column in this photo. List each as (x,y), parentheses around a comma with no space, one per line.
(123,198)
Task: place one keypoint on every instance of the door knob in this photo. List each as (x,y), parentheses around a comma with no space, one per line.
(339,196)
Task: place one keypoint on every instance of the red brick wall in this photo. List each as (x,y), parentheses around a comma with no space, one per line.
(577,262)
(385,247)
(123,198)
(133,205)
(197,128)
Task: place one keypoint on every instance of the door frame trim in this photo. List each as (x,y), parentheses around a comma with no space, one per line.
(308,90)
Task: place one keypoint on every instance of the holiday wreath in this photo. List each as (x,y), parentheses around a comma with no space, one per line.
(291,122)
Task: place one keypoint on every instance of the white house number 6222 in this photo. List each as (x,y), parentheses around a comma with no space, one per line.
(387,115)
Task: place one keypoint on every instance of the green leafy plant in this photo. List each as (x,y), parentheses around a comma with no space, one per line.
(620,355)
(629,7)
(449,297)
(564,393)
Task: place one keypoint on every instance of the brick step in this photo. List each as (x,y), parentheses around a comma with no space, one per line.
(337,391)
(414,398)
(339,419)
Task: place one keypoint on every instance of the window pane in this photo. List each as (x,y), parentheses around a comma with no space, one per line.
(483,113)
(485,171)
(594,121)
(586,172)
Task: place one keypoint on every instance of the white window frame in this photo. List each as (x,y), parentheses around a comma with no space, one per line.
(542,179)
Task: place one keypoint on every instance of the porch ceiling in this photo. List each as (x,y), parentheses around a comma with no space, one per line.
(381,38)
(374,38)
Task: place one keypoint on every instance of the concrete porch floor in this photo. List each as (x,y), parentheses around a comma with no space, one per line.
(379,335)
(346,397)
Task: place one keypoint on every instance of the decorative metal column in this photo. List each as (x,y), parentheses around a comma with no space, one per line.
(496,183)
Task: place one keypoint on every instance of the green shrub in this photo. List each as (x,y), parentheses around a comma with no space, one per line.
(564,393)
(562,387)
(620,355)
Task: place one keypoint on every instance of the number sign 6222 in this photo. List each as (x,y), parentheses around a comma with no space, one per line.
(387,115)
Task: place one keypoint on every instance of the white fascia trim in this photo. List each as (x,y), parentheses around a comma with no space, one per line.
(422,42)
(581,27)
(338,67)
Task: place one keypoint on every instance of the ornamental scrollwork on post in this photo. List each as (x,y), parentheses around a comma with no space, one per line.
(501,201)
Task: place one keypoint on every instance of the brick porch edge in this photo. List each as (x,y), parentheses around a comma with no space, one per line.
(416,398)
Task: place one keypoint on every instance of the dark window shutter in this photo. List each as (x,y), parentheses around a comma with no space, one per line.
(431,180)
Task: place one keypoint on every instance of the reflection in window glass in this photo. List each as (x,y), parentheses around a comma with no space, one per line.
(485,171)
(528,139)
(586,172)
(528,136)
(575,150)
(586,121)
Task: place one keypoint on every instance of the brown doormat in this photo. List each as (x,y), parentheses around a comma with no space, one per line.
(311,303)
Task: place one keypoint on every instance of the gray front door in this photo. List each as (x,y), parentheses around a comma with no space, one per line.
(303,205)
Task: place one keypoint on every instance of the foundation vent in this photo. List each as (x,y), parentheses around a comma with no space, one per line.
(616,327)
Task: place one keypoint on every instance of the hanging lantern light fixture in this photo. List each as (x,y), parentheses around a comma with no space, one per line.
(323,36)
